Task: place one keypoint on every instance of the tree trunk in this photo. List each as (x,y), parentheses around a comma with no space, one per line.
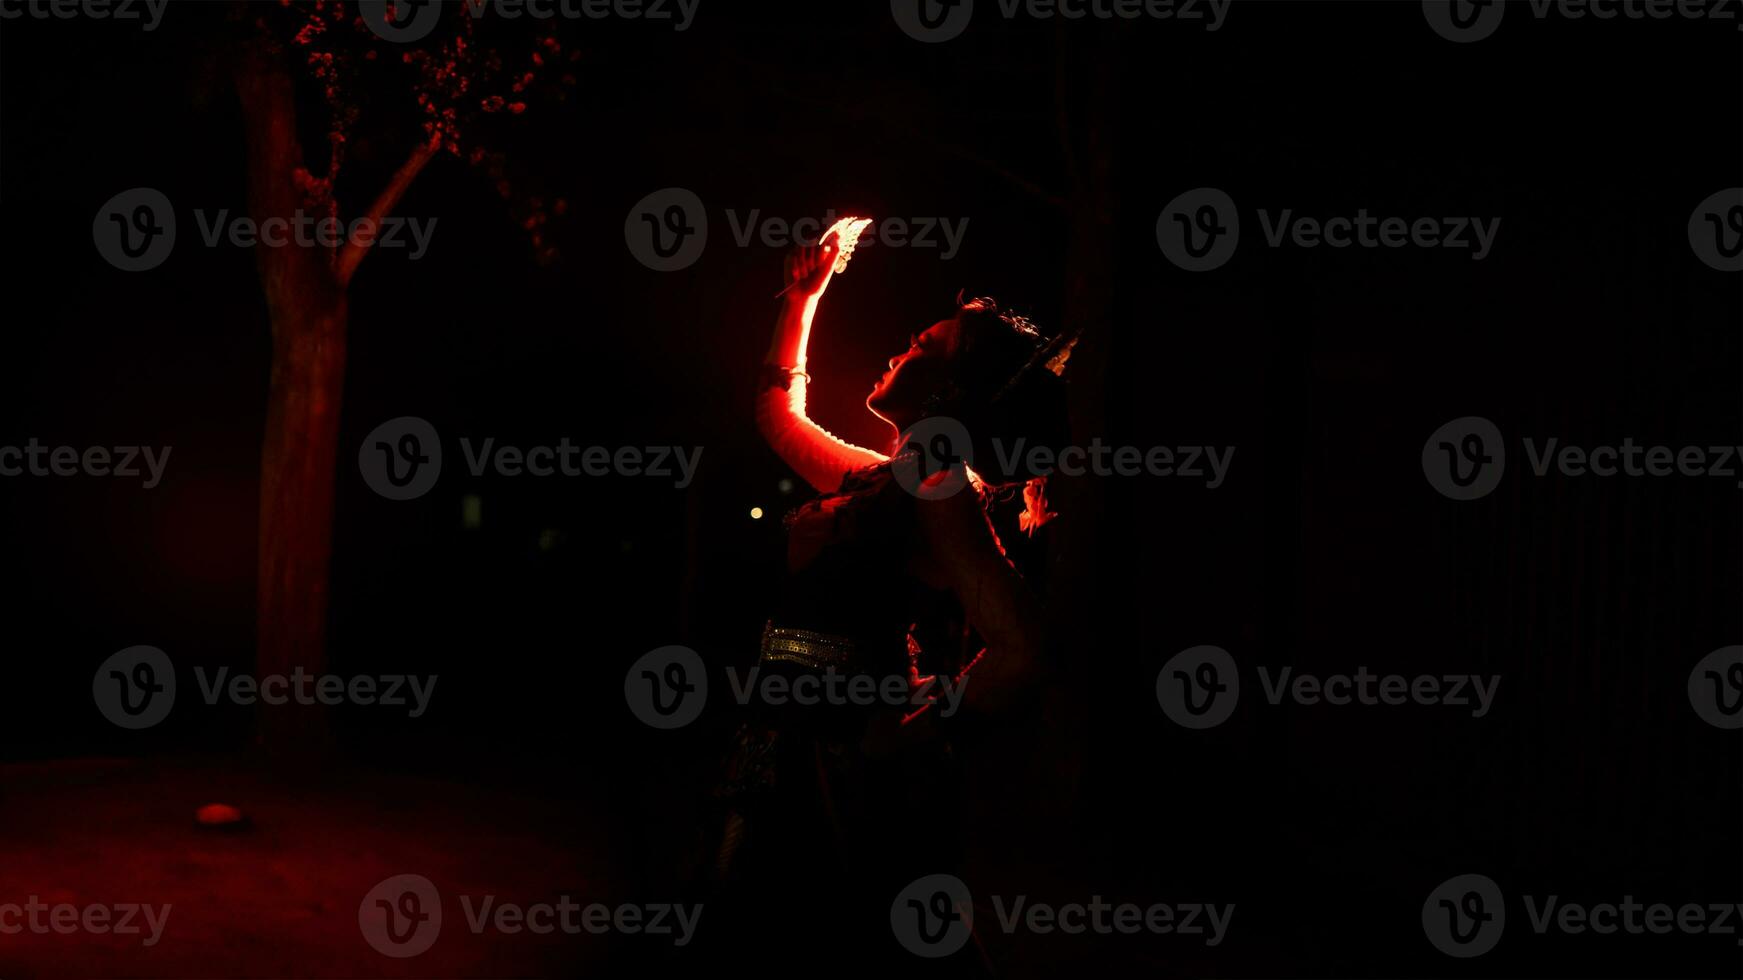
(296,505)
(307,309)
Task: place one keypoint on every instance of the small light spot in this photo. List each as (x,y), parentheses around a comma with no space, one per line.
(756,513)
(785,486)
(471,511)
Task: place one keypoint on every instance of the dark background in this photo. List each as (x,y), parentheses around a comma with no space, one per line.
(1591,321)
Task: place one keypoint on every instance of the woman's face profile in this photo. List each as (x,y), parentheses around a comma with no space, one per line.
(914,375)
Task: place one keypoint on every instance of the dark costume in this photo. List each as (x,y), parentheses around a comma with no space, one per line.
(830,810)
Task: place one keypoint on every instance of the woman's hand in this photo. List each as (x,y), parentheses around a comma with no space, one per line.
(809,268)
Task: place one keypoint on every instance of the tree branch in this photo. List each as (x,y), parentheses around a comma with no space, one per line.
(346,260)
(266,92)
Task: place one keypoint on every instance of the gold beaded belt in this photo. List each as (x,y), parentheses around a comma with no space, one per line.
(805,648)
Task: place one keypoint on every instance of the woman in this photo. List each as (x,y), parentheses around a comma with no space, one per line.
(833,808)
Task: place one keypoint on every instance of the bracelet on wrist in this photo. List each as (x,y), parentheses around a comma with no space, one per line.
(780,376)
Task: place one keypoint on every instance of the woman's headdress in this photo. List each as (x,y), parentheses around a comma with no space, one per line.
(1051,353)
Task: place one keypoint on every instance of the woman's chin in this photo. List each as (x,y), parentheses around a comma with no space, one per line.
(875,405)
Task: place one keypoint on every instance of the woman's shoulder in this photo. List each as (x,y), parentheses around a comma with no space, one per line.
(862,491)
(871,478)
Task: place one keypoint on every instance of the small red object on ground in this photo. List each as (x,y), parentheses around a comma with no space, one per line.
(218,815)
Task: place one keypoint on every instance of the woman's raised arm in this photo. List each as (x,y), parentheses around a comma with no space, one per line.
(812,451)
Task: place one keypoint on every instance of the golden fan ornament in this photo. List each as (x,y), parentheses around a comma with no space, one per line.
(846,232)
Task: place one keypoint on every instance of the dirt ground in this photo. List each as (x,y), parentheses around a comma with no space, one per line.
(279,898)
